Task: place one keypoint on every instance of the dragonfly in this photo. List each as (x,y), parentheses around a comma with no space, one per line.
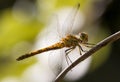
(70,41)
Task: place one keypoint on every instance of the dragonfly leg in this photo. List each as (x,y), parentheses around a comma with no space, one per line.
(81,49)
(66,54)
(89,45)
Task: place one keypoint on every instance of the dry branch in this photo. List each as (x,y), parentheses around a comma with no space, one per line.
(98,46)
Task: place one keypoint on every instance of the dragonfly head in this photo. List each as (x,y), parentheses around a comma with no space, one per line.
(83,37)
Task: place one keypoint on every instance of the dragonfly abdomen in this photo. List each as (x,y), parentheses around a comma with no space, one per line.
(52,47)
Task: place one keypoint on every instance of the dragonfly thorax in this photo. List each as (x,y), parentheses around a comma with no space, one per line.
(70,40)
(83,37)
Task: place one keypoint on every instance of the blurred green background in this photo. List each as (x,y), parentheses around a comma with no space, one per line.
(22,20)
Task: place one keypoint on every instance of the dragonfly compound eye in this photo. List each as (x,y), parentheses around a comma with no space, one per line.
(84,37)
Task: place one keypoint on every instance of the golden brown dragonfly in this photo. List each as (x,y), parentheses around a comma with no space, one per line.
(70,41)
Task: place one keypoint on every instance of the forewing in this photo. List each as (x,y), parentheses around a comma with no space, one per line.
(67,21)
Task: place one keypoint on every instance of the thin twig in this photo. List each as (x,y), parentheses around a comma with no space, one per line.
(98,46)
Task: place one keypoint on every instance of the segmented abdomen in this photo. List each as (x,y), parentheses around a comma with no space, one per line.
(52,47)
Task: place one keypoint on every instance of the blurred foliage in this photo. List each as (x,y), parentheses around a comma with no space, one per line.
(13,32)
(102,55)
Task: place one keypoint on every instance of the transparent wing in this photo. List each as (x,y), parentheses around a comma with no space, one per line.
(55,26)
(67,21)
(55,61)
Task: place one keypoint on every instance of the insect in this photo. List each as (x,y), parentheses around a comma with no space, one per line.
(69,41)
